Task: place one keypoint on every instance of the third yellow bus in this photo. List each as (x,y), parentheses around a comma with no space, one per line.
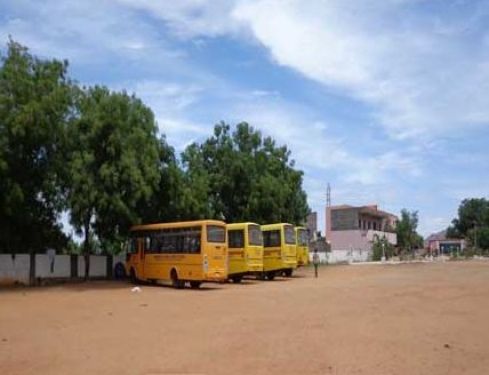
(302,246)
(279,250)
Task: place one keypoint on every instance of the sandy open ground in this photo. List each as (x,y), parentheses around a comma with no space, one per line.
(404,319)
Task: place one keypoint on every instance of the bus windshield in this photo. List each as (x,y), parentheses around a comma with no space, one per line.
(255,237)
(216,233)
(289,235)
(302,237)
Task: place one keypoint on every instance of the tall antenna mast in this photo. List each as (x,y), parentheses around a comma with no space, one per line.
(328,196)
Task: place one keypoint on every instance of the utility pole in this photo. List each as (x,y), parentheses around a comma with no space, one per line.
(328,196)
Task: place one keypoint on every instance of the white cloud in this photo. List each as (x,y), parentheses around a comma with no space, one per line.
(420,78)
(164,96)
(316,150)
(423,74)
(86,33)
(189,18)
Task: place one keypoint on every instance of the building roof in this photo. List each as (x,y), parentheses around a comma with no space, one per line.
(438,236)
(368,209)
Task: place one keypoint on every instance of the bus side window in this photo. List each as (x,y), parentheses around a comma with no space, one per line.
(147,245)
(192,242)
(132,247)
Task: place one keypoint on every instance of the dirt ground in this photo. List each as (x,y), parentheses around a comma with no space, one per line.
(378,319)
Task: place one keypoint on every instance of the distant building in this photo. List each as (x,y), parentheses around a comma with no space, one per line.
(438,243)
(312,225)
(351,231)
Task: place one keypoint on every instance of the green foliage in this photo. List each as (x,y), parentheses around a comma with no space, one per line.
(407,237)
(112,165)
(472,222)
(380,247)
(241,176)
(171,200)
(482,237)
(34,105)
(96,154)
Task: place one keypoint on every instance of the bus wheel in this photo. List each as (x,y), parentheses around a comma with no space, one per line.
(178,284)
(134,279)
(195,284)
(270,275)
(260,276)
(288,273)
(119,271)
(237,279)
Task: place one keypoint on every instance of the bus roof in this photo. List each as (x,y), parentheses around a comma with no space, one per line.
(176,224)
(240,225)
(274,226)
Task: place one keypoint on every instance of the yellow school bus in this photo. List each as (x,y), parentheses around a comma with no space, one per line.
(245,250)
(279,250)
(192,251)
(302,246)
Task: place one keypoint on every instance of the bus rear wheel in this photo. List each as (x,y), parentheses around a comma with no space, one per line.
(195,284)
(175,281)
(270,275)
(288,272)
(237,279)
(134,279)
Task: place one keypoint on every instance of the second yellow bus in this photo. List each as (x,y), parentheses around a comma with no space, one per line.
(245,250)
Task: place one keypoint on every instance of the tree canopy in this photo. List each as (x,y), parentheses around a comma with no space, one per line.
(246,177)
(407,237)
(472,222)
(112,164)
(35,102)
(98,156)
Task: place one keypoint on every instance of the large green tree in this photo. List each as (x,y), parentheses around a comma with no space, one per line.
(242,176)
(35,102)
(472,222)
(170,200)
(113,164)
(407,237)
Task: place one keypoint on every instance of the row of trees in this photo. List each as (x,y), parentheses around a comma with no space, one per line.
(472,223)
(97,155)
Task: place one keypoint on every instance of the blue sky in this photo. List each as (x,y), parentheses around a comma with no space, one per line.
(387,100)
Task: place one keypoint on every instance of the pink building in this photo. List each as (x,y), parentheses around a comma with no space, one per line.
(351,230)
(438,243)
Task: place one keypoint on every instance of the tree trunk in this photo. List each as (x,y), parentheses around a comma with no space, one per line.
(86,248)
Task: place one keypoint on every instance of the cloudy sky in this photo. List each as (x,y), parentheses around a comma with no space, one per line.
(387,100)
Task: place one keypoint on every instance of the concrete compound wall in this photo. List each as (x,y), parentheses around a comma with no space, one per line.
(338,256)
(16,269)
(58,266)
(98,266)
(341,256)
